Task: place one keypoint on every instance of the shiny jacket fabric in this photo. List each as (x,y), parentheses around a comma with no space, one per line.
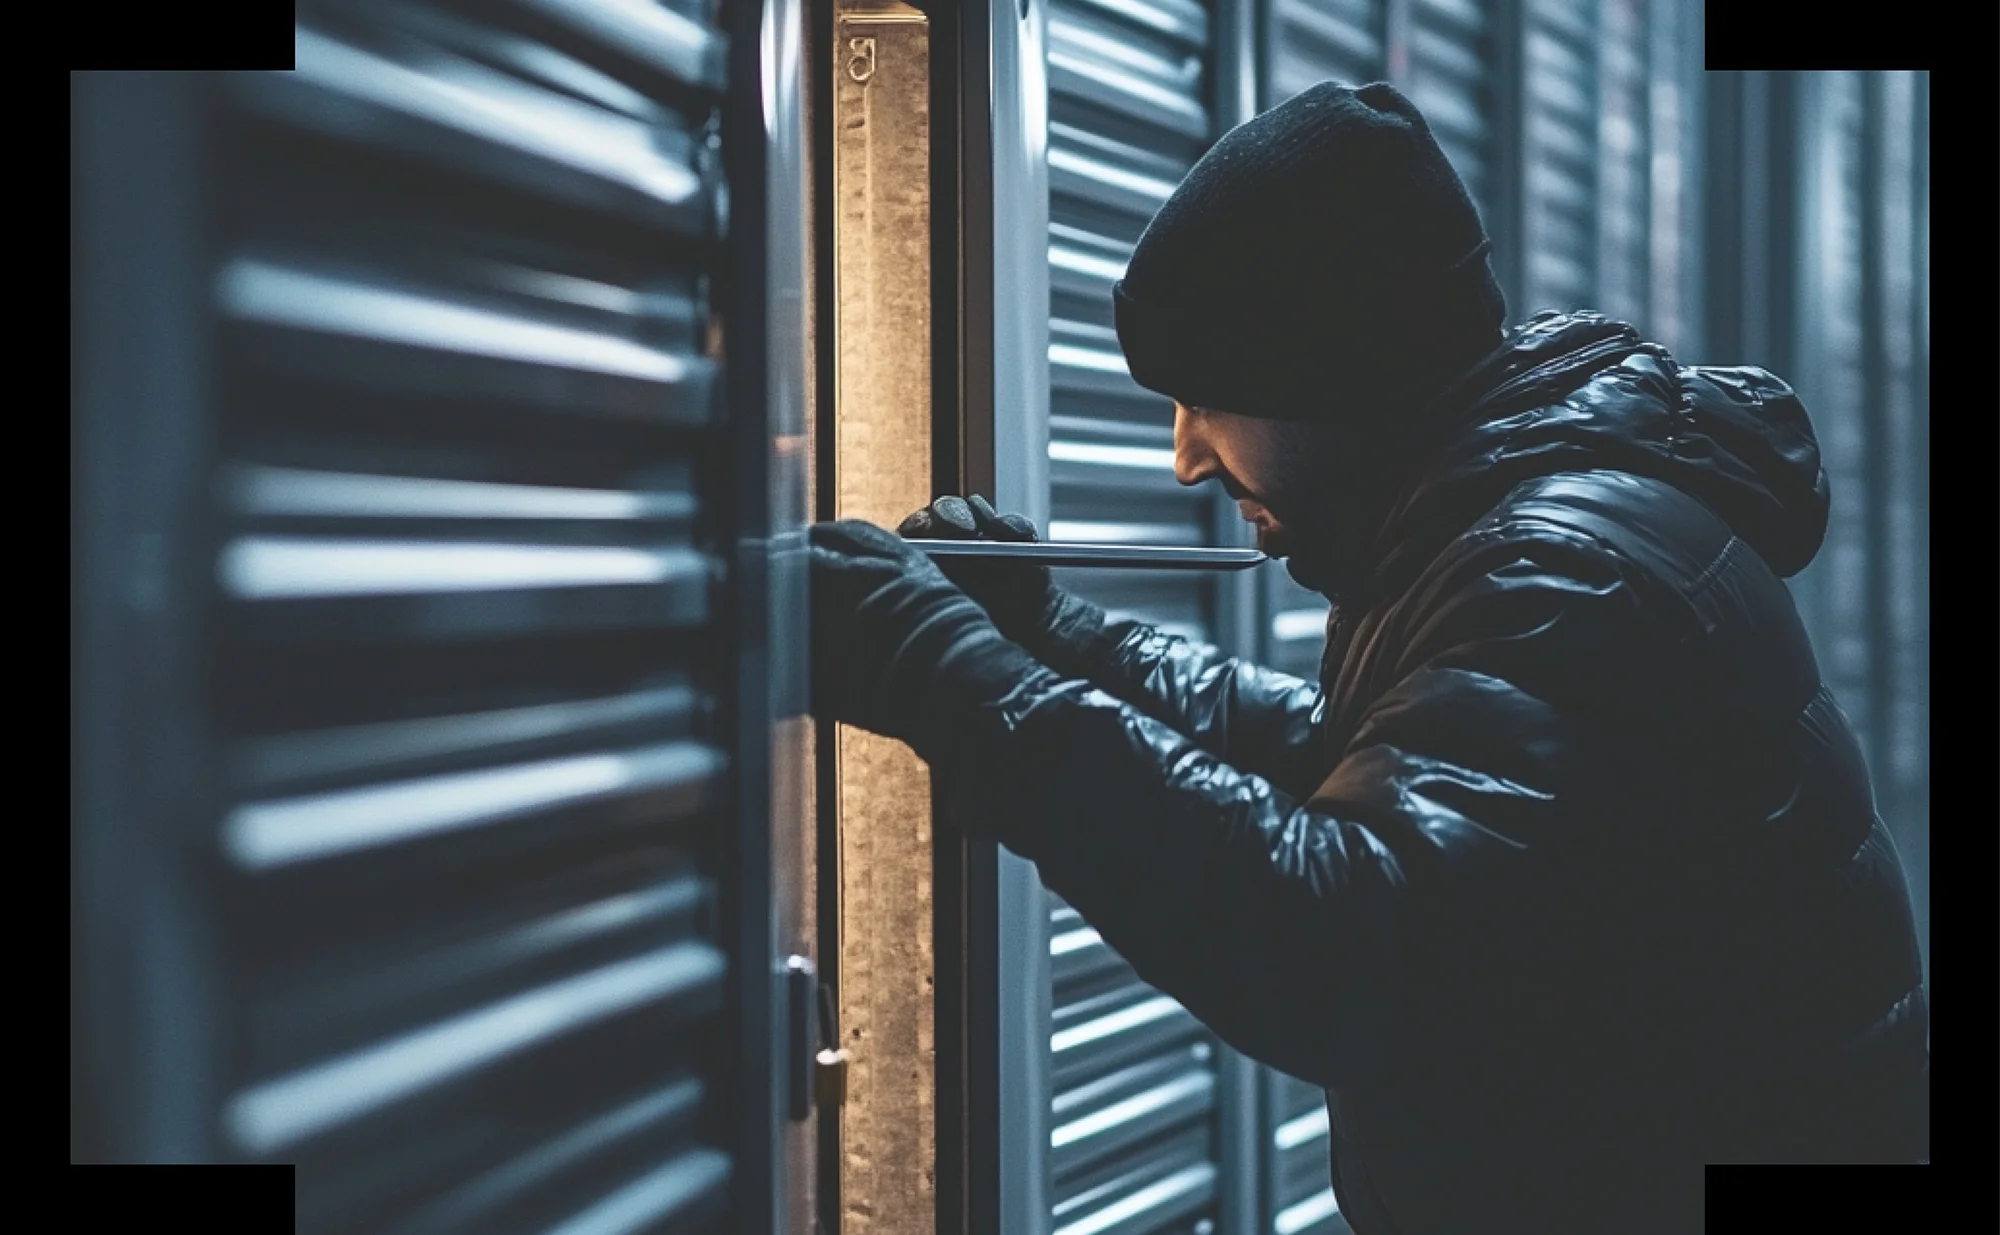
(1566,877)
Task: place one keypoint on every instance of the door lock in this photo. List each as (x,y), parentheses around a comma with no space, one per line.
(830,1065)
(830,1078)
(814,1075)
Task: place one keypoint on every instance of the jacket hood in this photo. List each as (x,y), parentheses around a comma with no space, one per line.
(1577,392)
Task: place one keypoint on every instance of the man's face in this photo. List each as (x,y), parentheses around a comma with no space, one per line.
(1275,471)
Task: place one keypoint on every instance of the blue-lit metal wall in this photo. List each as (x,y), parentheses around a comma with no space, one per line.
(1819,267)
(1866,602)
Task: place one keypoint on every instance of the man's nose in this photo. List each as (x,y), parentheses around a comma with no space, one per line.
(1194,460)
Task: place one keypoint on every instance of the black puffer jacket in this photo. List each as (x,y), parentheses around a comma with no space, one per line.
(1566,878)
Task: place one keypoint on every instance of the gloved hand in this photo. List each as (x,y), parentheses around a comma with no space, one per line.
(1055,625)
(897,648)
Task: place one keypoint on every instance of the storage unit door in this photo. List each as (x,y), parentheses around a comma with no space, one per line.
(469,625)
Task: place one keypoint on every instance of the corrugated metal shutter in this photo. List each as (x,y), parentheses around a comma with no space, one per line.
(1623,162)
(1900,139)
(1450,77)
(1311,41)
(1301,1180)
(1127,119)
(1860,366)
(475,793)
(1833,309)
(1134,1078)
(1133,1140)
(1559,163)
(1676,176)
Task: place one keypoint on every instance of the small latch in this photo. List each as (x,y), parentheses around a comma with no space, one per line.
(830,1065)
(830,1078)
(814,1076)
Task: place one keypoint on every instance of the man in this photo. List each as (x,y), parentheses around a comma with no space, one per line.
(1565,879)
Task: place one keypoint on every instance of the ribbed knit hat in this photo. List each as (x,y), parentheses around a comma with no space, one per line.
(1322,258)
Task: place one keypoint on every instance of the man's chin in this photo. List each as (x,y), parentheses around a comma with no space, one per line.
(1313,576)
(1304,569)
(1301,573)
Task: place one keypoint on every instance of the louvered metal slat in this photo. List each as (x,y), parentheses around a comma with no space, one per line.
(1451,59)
(1842,629)
(1120,1111)
(1160,1196)
(1675,282)
(1624,156)
(1134,1092)
(1302,1183)
(1295,637)
(465,584)
(1311,41)
(1901,759)
(1082,268)
(1097,60)
(1128,117)
(1560,189)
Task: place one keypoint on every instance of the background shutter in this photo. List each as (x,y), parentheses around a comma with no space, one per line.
(1312,41)
(1816,266)
(1625,127)
(471,706)
(1862,372)
(1447,67)
(1897,141)
(1680,181)
(1127,118)
(1300,1172)
(1133,1135)
(1560,130)
(1832,308)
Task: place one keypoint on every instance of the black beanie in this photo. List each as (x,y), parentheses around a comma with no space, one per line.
(1322,257)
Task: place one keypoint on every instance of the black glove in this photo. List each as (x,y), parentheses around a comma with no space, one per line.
(1056,626)
(897,648)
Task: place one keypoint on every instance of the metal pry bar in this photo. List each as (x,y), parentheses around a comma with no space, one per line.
(1129,557)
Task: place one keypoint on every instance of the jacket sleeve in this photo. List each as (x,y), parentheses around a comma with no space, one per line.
(1255,719)
(1289,924)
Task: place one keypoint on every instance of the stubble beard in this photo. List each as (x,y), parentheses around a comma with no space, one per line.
(1302,499)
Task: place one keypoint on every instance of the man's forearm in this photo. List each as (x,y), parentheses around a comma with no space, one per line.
(1255,719)
(1264,919)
